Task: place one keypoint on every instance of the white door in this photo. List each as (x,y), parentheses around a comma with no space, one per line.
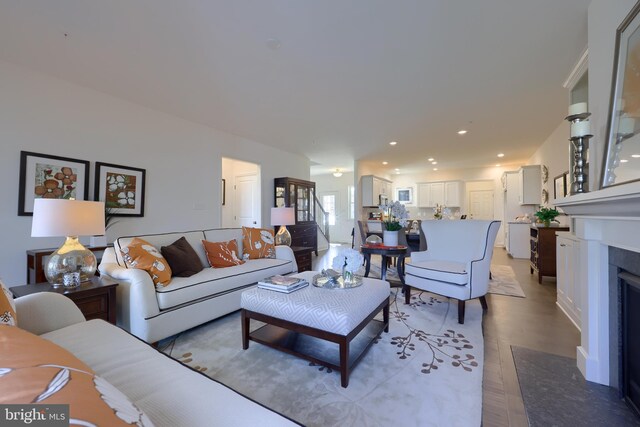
(247,201)
(481,204)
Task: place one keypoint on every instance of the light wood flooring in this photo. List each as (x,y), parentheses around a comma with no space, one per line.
(533,322)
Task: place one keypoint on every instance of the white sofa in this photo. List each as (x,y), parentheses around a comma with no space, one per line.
(153,314)
(170,393)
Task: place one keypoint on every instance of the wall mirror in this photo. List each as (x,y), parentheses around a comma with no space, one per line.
(622,156)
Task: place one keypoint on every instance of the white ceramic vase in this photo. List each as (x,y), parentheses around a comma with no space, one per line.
(390,238)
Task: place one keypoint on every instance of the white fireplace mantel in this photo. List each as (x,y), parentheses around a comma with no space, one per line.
(603,218)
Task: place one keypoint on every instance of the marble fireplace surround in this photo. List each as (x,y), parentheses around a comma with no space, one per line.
(603,218)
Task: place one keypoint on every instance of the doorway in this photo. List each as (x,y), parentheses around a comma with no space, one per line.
(243,197)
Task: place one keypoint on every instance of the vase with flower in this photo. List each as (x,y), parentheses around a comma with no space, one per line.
(395,218)
(348,261)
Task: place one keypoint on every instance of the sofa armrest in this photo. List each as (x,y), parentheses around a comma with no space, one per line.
(420,256)
(136,296)
(46,311)
(285,252)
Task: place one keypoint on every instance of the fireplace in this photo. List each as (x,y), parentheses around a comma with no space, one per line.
(624,324)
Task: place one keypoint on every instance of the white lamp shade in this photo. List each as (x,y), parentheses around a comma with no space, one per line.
(283,216)
(59,217)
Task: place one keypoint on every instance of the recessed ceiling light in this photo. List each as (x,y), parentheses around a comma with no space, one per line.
(434,163)
(431,159)
(397,170)
(435,169)
(624,161)
(500,154)
(635,156)
(498,165)
(385,163)
(462,132)
(393,143)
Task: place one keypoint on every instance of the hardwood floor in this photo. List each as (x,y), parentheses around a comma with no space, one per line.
(533,322)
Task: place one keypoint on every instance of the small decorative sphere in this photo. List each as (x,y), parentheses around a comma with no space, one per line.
(373,240)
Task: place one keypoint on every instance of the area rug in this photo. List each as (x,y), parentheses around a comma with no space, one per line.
(427,371)
(503,282)
(556,394)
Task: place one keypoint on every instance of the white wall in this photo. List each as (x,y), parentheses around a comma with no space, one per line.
(327,183)
(183,160)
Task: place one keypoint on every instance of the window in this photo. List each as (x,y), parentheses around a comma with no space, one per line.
(351,194)
(329,205)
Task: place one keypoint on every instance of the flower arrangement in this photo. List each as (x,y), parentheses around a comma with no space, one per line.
(547,215)
(347,262)
(437,211)
(397,216)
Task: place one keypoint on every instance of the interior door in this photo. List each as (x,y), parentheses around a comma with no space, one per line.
(481,204)
(247,201)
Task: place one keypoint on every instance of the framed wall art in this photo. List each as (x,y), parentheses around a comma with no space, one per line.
(50,177)
(560,186)
(620,161)
(404,195)
(121,188)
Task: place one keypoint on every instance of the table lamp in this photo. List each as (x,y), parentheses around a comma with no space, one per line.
(283,217)
(70,219)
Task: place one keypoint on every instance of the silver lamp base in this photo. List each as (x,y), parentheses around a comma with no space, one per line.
(283,237)
(71,257)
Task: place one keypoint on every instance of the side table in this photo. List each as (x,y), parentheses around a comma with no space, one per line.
(303,257)
(96,298)
(385,252)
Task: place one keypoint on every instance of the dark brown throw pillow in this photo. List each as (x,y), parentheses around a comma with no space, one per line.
(182,259)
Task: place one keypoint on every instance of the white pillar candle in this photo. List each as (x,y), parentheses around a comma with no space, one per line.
(581,128)
(627,125)
(579,108)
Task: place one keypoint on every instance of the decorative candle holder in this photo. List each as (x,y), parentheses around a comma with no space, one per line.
(578,153)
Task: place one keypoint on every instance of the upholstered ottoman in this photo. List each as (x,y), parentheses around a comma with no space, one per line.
(297,322)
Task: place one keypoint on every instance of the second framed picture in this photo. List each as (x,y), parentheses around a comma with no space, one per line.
(121,188)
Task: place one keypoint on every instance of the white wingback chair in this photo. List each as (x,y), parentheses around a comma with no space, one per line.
(456,262)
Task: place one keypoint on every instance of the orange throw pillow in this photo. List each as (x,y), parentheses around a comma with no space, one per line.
(258,243)
(143,255)
(8,314)
(222,254)
(37,371)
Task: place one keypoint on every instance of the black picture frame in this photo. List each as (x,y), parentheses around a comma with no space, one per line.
(49,176)
(560,183)
(224,191)
(121,188)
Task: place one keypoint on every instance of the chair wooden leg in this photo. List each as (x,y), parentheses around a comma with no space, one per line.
(483,303)
(461,312)
(407,293)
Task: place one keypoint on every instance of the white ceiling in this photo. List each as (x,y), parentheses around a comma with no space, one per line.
(348,77)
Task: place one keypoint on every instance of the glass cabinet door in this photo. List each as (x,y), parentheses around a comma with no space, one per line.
(280,196)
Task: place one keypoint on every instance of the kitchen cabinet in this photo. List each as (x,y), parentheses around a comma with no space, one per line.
(529,185)
(300,195)
(568,281)
(446,193)
(517,239)
(372,188)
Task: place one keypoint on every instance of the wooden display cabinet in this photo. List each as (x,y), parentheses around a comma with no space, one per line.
(300,195)
(543,250)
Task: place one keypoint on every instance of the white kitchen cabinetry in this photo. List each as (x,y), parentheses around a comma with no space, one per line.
(518,239)
(568,276)
(447,193)
(530,186)
(372,188)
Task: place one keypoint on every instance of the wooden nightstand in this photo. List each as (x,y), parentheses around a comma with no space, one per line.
(303,257)
(96,299)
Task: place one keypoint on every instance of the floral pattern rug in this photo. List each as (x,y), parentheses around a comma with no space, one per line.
(426,371)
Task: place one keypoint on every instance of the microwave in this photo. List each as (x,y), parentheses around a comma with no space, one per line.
(383,199)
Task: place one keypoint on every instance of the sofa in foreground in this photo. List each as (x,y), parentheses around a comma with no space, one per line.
(153,313)
(126,381)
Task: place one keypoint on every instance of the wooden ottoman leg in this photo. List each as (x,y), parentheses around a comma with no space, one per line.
(407,293)
(344,362)
(245,328)
(385,317)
